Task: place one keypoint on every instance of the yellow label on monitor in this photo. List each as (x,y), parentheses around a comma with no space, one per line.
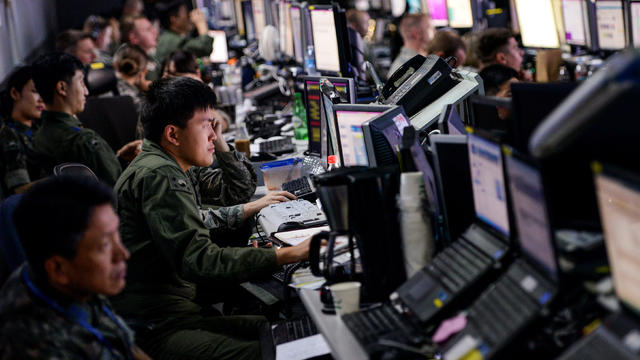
(497,11)
(473,355)
(591,327)
(596,167)
(469,129)
(97,66)
(437,303)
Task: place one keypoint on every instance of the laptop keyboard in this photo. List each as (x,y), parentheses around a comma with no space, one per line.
(290,330)
(382,321)
(598,345)
(458,266)
(300,187)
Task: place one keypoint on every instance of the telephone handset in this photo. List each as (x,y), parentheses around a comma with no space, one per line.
(417,83)
(400,76)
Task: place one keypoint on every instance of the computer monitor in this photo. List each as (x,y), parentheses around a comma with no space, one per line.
(460,13)
(451,167)
(529,207)
(490,113)
(249,25)
(296,28)
(237,5)
(348,124)
(383,139)
(437,11)
(487,183)
(619,204)
(315,111)
(576,22)
(610,21)
(537,23)
(259,16)
(285,26)
(220,52)
(634,15)
(450,121)
(328,41)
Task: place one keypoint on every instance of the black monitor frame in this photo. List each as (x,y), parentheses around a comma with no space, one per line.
(443,121)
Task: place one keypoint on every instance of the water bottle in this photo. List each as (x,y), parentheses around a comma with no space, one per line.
(299,118)
(310,61)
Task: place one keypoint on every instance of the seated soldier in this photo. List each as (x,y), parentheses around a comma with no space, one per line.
(171,250)
(78,44)
(60,81)
(21,106)
(177,24)
(448,43)
(55,307)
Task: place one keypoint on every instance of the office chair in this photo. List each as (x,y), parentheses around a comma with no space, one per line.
(101,79)
(74,169)
(114,118)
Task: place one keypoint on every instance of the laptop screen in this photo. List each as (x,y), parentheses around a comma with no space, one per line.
(619,204)
(530,212)
(487,182)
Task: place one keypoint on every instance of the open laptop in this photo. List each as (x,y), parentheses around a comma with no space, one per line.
(618,195)
(504,310)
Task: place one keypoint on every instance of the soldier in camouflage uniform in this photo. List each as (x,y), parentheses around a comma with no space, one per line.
(178,23)
(55,307)
(60,81)
(171,250)
(21,108)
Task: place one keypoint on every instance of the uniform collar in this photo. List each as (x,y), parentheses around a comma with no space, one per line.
(152,147)
(54,116)
(20,127)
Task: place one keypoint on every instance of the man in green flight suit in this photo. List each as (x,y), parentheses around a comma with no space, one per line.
(60,81)
(178,23)
(171,250)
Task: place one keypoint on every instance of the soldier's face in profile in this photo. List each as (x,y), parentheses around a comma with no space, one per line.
(196,139)
(100,263)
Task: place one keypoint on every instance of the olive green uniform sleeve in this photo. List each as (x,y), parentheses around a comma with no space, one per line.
(200,46)
(91,150)
(179,233)
(13,160)
(170,41)
(232,182)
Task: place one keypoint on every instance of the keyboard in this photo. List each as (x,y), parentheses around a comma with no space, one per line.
(601,344)
(277,146)
(301,188)
(290,330)
(382,321)
(290,215)
(281,275)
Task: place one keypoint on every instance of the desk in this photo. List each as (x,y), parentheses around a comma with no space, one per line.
(343,344)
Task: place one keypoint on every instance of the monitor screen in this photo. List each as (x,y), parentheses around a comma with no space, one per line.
(296,27)
(635,23)
(487,183)
(619,204)
(610,18)
(531,216)
(259,16)
(314,107)
(438,12)
(460,14)
(576,22)
(325,40)
(352,147)
(249,25)
(454,124)
(220,53)
(537,23)
(286,29)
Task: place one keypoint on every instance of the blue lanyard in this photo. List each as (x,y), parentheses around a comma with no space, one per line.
(13,126)
(79,316)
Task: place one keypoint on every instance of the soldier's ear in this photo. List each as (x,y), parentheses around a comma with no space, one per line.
(61,88)
(171,133)
(57,271)
(14,93)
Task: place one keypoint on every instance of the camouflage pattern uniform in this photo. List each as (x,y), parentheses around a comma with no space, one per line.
(31,329)
(19,162)
(172,253)
(170,41)
(63,139)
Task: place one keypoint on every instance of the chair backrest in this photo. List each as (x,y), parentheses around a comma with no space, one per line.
(74,169)
(10,247)
(101,79)
(114,118)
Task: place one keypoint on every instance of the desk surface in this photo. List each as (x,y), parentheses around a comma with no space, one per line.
(344,345)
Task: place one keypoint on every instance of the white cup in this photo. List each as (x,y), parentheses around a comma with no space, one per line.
(346,297)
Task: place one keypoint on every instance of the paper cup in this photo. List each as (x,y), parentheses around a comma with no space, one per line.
(346,297)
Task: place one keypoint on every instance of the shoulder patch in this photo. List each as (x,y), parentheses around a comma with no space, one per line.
(179,184)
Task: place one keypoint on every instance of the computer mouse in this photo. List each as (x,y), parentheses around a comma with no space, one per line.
(290,225)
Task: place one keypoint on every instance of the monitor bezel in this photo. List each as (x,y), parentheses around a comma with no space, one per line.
(340,37)
(625,25)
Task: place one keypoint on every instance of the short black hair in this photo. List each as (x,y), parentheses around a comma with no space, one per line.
(173,101)
(50,68)
(494,76)
(54,214)
(17,80)
(491,42)
(167,10)
(67,41)
(185,62)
